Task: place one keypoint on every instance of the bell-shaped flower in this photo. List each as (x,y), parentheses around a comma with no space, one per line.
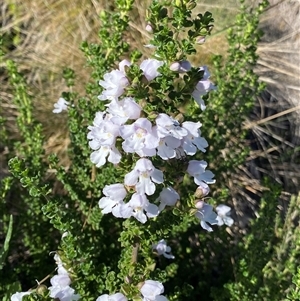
(152,290)
(167,147)
(143,177)
(124,109)
(114,297)
(114,196)
(206,215)
(150,67)
(168,126)
(110,153)
(60,105)
(63,294)
(167,197)
(203,87)
(114,83)
(223,212)
(60,268)
(197,170)
(61,280)
(19,296)
(193,140)
(136,207)
(163,249)
(139,138)
(103,135)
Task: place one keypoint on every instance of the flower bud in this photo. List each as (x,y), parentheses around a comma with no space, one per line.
(41,289)
(199,204)
(191,4)
(200,40)
(201,191)
(149,28)
(183,66)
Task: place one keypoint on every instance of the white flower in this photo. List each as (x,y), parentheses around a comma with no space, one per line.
(126,108)
(193,139)
(203,87)
(197,170)
(168,197)
(60,288)
(168,126)
(223,212)
(60,268)
(152,290)
(139,138)
(63,294)
(60,105)
(136,207)
(61,280)
(143,176)
(167,147)
(114,82)
(150,67)
(114,297)
(162,249)
(103,135)
(19,296)
(98,157)
(206,215)
(114,196)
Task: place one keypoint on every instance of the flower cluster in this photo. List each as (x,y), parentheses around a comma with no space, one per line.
(164,137)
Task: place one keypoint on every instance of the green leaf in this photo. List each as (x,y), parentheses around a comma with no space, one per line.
(4,249)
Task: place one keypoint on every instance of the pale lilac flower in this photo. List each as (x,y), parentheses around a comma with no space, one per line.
(193,139)
(149,28)
(168,126)
(136,207)
(163,249)
(200,40)
(150,67)
(63,293)
(60,288)
(197,170)
(60,268)
(125,109)
(61,280)
(143,177)
(60,105)
(167,147)
(152,290)
(206,215)
(19,296)
(223,212)
(103,135)
(99,156)
(139,138)
(114,83)
(114,196)
(114,297)
(181,67)
(167,197)
(202,88)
